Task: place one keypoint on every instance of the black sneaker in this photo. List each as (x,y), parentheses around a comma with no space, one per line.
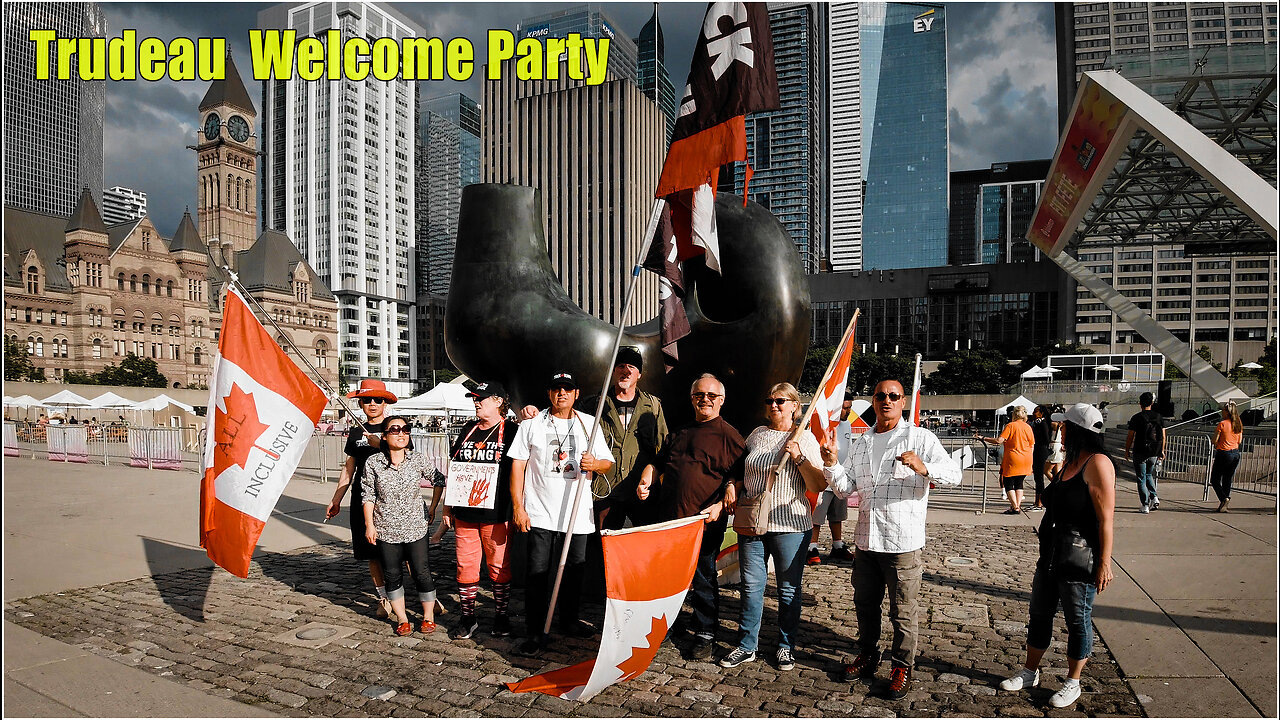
(899,682)
(701,649)
(531,646)
(736,657)
(840,553)
(501,626)
(786,661)
(813,558)
(863,666)
(467,627)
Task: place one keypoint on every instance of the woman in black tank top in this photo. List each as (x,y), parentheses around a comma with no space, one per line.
(1075,552)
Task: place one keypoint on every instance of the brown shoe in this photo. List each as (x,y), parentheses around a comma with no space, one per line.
(899,682)
(863,666)
(1222,506)
(384,609)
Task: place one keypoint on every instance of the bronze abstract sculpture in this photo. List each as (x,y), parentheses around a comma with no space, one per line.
(508,318)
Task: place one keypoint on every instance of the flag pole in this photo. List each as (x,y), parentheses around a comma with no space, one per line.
(915,391)
(244,292)
(645,241)
(808,412)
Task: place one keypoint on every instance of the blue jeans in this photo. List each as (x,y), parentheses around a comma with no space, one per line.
(704,592)
(1146,471)
(787,550)
(1223,471)
(1077,607)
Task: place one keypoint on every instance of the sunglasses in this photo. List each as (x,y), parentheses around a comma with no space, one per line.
(372,401)
(777,401)
(893,397)
(703,395)
(397,430)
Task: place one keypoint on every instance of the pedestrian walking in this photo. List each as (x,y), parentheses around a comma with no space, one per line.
(1144,445)
(1019,452)
(394,520)
(1075,553)
(483,533)
(1041,430)
(1226,453)
(1057,453)
(892,467)
(777,469)
(550,456)
(695,473)
(363,441)
(830,509)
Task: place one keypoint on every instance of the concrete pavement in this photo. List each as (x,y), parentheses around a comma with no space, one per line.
(1190,622)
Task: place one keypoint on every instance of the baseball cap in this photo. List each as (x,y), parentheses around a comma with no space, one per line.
(628,355)
(562,380)
(1082,415)
(488,389)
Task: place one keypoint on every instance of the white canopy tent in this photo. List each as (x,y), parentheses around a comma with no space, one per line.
(1036,373)
(23,402)
(445,397)
(1022,401)
(162,401)
(110,400)
(66,399)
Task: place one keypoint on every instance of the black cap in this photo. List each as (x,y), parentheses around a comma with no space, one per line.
(562,380)
(488,389)
(628,355)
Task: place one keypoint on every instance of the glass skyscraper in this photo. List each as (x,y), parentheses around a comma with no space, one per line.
(652,69)
(52,128)
(589,21)
(448,160)
(785,146)
(990,212)
(904,136)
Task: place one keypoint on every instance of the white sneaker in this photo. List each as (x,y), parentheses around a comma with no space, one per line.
(1144,510)
(1024,679)
(1066,696)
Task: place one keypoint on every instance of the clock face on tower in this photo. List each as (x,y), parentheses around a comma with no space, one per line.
(238,128)
(212,125)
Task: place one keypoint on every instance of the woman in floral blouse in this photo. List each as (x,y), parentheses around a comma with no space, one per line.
(395,521)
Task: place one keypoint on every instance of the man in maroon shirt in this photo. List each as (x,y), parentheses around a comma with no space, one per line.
(698,465)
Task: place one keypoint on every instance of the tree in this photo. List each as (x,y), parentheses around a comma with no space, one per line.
(815,364)
(133,371)
(1266,375)
(865,369)
(75,377)
(17,365)
(976,372)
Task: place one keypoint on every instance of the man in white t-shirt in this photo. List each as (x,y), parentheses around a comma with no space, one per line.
(549,459)
(891,466)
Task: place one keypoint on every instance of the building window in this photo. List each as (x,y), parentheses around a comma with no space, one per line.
(169,288)
(39,347)
(133,283)
(97,348)
(33,280)
(322,354)
(195,356)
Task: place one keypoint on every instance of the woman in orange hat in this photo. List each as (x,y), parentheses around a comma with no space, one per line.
(363,442)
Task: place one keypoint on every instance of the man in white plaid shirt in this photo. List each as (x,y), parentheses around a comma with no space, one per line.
(891,467)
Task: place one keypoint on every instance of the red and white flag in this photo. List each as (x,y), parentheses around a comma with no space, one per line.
(647,571)
(262,411)
(915,394)
(828,402)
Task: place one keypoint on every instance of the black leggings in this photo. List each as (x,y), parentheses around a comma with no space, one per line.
(1037,469)
(393,557)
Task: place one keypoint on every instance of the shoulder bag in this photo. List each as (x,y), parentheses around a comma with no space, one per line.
(1072,556)
(751,516)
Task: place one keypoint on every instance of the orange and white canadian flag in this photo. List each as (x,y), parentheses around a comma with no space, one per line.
(647,571)
(262,411)
(828,402)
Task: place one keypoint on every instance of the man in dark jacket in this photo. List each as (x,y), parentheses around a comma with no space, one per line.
(635,428)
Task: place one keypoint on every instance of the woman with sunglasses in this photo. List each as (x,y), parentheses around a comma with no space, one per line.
(790,522)
(363,442)
(395,522)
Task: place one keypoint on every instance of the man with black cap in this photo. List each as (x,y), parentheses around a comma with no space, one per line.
(550,456)
(635,428)
(483,521)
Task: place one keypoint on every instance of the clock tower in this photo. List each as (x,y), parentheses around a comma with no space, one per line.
(227,164)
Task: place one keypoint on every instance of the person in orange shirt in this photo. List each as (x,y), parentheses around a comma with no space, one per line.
(1226,453)
(1019,448)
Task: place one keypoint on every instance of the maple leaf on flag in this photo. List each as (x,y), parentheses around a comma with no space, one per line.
(641,657)
(237,430)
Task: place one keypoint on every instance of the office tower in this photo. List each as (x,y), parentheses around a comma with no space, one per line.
(589,21)
(338,178)
(52,128)
(990,212)
(1093,36)
(121,204)
(893,118)
(594,153)
(786,146)
(448,160)
(654,81)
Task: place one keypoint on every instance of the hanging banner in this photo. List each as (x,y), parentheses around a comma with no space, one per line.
(1089,149)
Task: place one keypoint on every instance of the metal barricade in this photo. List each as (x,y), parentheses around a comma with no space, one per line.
(436,448)
(156,448)
(1186,459)
(67,443)
(1256,472)
(11,448)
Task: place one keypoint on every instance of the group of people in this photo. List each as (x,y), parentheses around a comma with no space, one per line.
(705,468)
(1032,446)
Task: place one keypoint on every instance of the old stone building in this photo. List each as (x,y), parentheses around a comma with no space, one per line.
(80,294)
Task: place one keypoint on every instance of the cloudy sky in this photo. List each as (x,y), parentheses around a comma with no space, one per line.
(1001,76)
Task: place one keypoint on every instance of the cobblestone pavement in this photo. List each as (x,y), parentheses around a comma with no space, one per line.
(238,639)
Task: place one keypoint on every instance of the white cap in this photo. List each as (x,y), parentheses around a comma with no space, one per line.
(1083,415)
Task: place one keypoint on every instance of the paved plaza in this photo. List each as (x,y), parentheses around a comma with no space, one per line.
(110,609)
